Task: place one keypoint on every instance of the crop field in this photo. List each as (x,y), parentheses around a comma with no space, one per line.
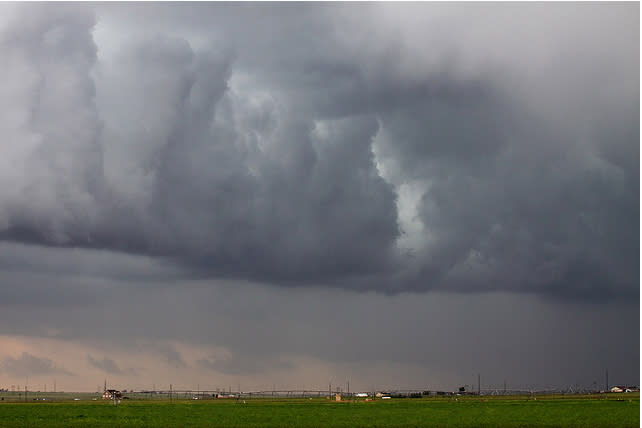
(621,410)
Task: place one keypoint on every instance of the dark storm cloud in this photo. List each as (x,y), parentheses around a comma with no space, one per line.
(57,262)
(31,365)
(251,153)
(240,364)
(109,366)
(304,213)
(512,205)
(169,353)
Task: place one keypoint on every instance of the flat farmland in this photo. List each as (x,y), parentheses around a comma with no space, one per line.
(550,411)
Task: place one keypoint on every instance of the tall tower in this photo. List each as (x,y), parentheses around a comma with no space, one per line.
(105,388)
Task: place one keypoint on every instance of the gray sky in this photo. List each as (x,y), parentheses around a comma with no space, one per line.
(399,195)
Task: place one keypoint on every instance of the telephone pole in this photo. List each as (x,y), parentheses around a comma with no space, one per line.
(478,384)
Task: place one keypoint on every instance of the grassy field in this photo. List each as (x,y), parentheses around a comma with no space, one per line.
(564,411)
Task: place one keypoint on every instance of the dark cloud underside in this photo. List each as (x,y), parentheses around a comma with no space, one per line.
(277,153)
(30,365)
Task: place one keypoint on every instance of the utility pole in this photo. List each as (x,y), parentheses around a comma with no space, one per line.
(478,384)
(607,380)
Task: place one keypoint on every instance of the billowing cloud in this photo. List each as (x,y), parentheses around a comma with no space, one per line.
(386,148)
(52,158)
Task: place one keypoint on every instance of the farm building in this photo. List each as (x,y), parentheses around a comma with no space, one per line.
(111,393)
(624,389)
(221,395)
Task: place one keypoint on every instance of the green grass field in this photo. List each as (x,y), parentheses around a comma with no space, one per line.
(563,411)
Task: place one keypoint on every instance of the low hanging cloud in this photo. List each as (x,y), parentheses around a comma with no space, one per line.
(31,365)
(239,364)
(109,366)
(169,354)
(267,156)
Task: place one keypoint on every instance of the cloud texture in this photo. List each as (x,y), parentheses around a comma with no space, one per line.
(31,365)
(380,147)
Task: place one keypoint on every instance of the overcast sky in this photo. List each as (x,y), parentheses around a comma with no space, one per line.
(399,195)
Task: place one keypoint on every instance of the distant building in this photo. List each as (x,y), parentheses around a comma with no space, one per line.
(111,393)
(221,395)
(624,389)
